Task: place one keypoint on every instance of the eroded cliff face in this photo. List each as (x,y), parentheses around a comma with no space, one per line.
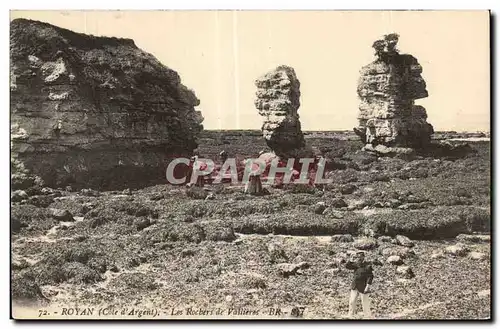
(95,111)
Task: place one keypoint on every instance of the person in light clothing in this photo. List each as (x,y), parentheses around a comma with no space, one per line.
(361,284)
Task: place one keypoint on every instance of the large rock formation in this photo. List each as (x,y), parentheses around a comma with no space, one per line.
(278,100)
(94,110)
(388,88)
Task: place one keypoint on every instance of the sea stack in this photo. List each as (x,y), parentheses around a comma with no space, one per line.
(278,101)
(388,117)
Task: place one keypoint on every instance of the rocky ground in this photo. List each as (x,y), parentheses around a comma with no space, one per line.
(425,223)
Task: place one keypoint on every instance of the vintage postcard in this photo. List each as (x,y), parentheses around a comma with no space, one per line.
(251,165)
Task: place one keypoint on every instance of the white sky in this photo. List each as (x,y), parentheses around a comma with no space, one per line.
(219,54)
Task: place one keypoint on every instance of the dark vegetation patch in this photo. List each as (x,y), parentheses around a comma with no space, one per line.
(439,223)
(30,219)
(296,224)
(26,291)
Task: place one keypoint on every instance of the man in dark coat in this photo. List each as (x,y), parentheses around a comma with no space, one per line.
(361,283)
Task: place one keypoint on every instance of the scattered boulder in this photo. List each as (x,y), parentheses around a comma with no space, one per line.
(405,271)
(404,241)
(403,252)
(276,252)
(287,269)
(342,238)
(19,264)
(156,197)
(437,255)
(42,201)
(48,190)
(219,231)
(89,192)
(348,189)
(61,215)
(365,243)
(458,249)
(473,238)
(384,238)
(197,193)
(86,207)
(18,196)
(338,203)
(332,271)
(142,222)
(253,280)
(334,213)
(319,208)
(478,255)
(187,253)
(395,260)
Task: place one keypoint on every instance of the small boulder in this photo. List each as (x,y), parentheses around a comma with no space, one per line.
(331,271)
(348,189)
(338,203)
(342,238)
(405,272)
(403,252)
(437,255)
(458,249)
(141,223)
(89,192)
(473,238)
(86,207)
(41,201)
(394,203)
(410,206)
(61,215)
(404,241)
(478,255)
(365,243)
(384,238)
(319,208)
(47,190)
(395,260)
(287,269)
(156,197)
(18,196)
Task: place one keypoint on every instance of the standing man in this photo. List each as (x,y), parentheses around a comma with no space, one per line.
(361,283)
(223,156)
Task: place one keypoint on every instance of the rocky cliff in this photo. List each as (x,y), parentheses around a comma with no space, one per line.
(388,88)
(94,111)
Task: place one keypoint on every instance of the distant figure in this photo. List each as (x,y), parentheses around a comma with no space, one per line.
(361,283)
(223,156)
(189,173)
(200,181)
(254,184)
(57,128)
(319,166)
